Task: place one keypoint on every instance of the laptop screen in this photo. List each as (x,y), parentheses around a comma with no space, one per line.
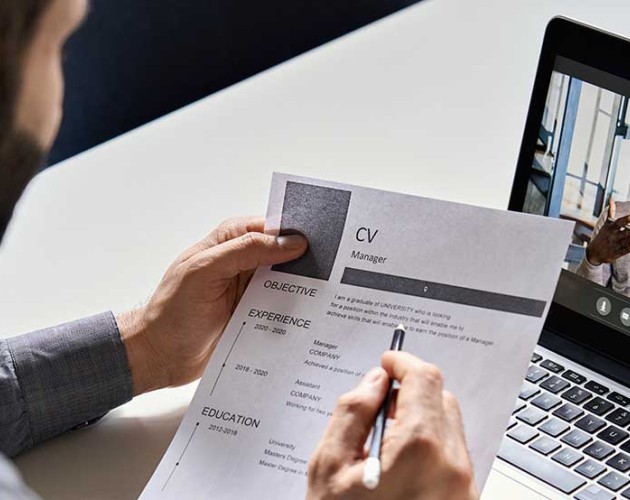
(581,172)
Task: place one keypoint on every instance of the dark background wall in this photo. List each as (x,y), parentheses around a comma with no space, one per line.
(136,60)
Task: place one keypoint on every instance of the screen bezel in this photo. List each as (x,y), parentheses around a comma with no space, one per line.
(606,52)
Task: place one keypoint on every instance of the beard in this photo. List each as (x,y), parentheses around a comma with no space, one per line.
(21,157)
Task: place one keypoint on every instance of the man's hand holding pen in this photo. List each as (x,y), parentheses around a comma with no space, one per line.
(423,454)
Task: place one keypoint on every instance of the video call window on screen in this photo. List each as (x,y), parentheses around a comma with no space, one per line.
(582,160)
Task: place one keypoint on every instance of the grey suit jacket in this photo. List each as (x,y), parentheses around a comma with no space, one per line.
(55,380)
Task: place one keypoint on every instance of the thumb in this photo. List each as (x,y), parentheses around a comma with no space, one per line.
(354,416)
(249,251)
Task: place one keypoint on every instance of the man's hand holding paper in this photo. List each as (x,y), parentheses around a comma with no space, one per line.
(170,340)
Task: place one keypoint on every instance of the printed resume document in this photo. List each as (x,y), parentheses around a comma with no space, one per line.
(471,285)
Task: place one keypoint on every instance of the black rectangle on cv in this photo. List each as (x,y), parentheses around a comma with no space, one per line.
(444,293)
(319,213)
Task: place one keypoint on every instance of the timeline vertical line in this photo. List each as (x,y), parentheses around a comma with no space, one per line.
(226,358)
(181,456)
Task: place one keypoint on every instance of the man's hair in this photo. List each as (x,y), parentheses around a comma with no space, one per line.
(18,22)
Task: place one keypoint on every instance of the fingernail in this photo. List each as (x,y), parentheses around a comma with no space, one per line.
(373,376)
(291,242)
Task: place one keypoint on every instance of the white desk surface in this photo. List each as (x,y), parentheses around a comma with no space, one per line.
(430,101)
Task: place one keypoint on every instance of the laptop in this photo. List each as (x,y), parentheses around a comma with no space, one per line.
(569,435)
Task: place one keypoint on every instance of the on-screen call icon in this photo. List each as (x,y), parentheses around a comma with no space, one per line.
(604,306)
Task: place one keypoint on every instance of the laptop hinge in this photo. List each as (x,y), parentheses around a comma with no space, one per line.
(586,356)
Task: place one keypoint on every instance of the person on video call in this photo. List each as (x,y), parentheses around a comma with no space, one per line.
(68,376)
(607,258)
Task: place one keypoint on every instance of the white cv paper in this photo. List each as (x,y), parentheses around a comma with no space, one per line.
(471,285)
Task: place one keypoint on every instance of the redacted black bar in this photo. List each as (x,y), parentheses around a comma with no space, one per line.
(442,292)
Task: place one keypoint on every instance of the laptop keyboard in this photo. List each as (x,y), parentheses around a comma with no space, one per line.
(570,432)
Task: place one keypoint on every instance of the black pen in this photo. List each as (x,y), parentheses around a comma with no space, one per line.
(372,468)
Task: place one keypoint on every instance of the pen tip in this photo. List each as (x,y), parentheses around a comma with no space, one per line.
(401,327)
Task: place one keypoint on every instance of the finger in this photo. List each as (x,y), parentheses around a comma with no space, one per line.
(620,239)
(456,438)
(622,222)
(227,230)
(612,209)
(623,240)
(455,445)
(247,252)
(354,416)
(233,228)
(393,404)
(419,401)
(622,246)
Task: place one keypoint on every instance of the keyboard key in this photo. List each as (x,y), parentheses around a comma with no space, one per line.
(576,395)
(576,438)
(531,416)
(590,424)
(599,406)
(599,450)
(539,467)
(590,469)
(546,401)
(613,481)
(535,374)
(620,461)
(613,435)
(568,412)
(536,358)
(594,492)
(596,387)
(574,377)
(523,434)
(552,366)
(619,398)
(568,457)
(554,427)
(554,384)
(528,390)
(545,445)
(620,417)
(626,494)
(518,406)
(626,446)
